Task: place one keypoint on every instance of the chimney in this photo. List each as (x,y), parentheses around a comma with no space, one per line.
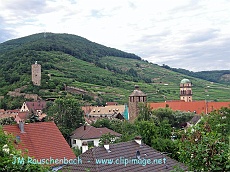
(106,145)
(21,126)
(84,147)
(138,140)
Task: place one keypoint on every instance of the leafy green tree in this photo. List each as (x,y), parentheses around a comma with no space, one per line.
(8,154)
(104,122)
(145,113)
(107,137)
(206,146)
(127,129)
(7,121)
(148,131)
(11,102)
(175,118)
(77,151)
(67,114)
(132,72)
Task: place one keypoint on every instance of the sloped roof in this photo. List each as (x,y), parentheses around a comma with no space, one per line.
(137,92)
(8,113)
(195,119)
(86,109)
(90,132)
(196,106)
(111,103)
(107,110)
(38,105)
(216,105)
(21,116)
(124,150)
(42,140)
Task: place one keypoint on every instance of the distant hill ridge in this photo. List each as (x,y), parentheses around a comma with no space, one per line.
(108,73)
(221,76)
(76,46)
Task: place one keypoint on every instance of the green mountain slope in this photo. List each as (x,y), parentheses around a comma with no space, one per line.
(220,76)
(105,73)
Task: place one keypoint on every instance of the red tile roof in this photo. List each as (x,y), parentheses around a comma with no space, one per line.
(198,106)
(111,103)
(121,151)
(22,116)
(87,109)
(38,105)
(90,132)
(8,113)
(42,140)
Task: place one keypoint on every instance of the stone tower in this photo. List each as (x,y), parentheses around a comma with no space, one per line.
(135,98)
(36,74)
(186,90)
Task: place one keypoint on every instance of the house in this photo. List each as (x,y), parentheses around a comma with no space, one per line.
(8,113)
(126,156)
(18,115)
(33,107)
(108,111)
(193,122)
(43,140)
(111,111)
(89,134)
(36,108)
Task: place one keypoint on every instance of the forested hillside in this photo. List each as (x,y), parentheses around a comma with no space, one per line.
(221,76)
(106,74)
(69,44)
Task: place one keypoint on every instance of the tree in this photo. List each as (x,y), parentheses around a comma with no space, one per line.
(206,146)
(8,154)
(104,122)
(148,131)
(67,115)
(127,129)
(107,137)
(7,121)
(175,118)
(145,113)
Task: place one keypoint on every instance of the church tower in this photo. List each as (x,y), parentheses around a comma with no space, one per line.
(36,74)
(135,98)
(186,90)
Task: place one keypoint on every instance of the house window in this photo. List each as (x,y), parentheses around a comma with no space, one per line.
(74,141)
(90,144)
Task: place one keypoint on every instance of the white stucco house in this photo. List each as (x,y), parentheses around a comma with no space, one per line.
(89,134)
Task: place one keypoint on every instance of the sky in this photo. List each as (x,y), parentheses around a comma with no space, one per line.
(188,34)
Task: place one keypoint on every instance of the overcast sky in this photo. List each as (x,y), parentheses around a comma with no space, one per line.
(189,34)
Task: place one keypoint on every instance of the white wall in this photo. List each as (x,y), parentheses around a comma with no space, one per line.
(79,142)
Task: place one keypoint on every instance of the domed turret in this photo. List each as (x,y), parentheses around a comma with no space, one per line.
(186,90)
(184,81)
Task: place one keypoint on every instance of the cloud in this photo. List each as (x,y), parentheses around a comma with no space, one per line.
(187,34)
(202,36)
